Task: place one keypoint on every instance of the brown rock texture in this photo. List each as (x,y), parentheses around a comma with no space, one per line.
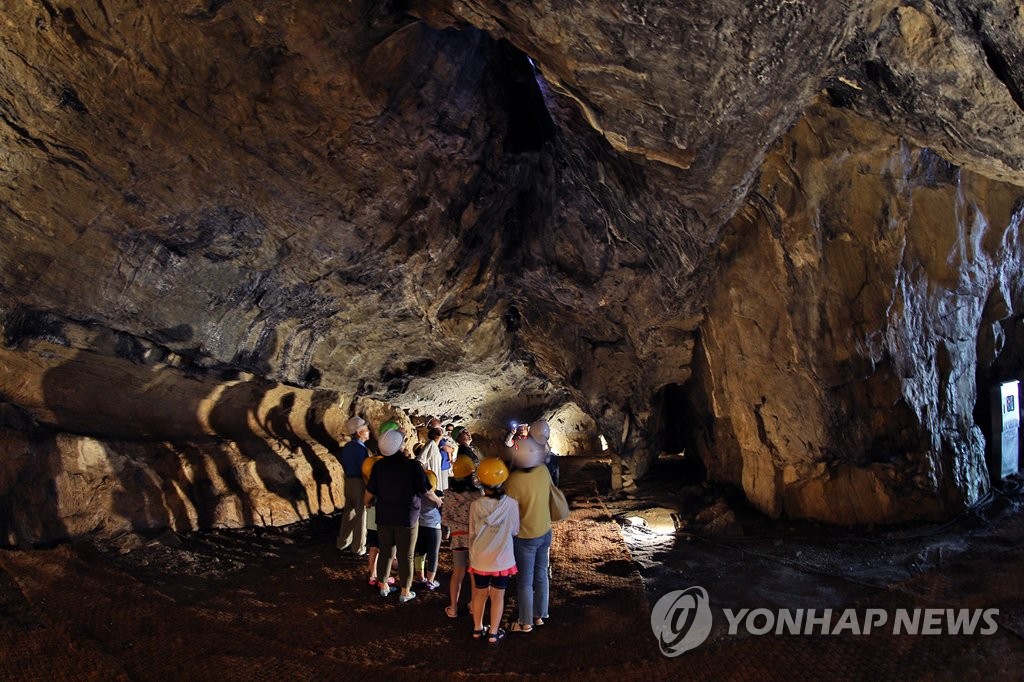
(841,343)
(503,210)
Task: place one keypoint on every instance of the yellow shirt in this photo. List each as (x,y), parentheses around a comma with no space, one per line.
(532,490)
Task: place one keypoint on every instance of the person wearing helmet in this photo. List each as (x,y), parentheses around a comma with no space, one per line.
(446,451)
(530,487)
(352,533)
(372,543)
(540,432)
(395,487)
(428,538)
(462,491)
(516,434)
(493,521)
(430,456)
(465,440)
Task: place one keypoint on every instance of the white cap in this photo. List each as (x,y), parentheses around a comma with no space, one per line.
(528,453)
(540,431)
(354,424)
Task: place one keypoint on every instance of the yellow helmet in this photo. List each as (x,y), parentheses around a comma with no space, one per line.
(368,466)
(432,478)
(463,467)
(492,472)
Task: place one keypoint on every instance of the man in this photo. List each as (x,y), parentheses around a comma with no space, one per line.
(395,486)
(519,432)
(465,440)
(353,514)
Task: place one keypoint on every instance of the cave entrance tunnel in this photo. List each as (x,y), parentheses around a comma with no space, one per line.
(673,437)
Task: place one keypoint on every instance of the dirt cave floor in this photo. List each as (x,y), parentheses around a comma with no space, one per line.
(262,604)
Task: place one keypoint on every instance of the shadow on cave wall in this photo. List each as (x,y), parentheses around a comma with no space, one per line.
(151,501)
(29,509)
(154,490)
(278,424)
(230,418)
(163,482)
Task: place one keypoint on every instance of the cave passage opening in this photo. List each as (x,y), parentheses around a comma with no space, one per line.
(673,436)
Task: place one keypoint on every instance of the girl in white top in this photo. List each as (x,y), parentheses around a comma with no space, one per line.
(493,520)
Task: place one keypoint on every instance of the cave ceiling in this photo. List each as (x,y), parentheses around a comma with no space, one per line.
(476,208)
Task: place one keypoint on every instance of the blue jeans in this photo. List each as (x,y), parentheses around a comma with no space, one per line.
(532,577)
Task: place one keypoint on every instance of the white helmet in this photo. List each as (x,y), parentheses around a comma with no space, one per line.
(391,442)
(354,424)
(528,453)
(540,431)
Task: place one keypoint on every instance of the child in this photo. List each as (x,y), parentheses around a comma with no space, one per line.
(455,514)
(428,538)
(493,520)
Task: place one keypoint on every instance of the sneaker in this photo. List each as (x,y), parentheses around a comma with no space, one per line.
(431,585)
(387,591)
(406,597)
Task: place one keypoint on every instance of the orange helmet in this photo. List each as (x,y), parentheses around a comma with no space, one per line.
(368,466)
(492,472)
(463,466)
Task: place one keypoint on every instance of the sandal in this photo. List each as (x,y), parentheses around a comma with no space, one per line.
(481,633)
(496,636)
(516,626)
(539,621)
(451,611)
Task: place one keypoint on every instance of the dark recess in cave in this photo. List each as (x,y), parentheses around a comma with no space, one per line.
(674,430)
(529,124)
(26,323)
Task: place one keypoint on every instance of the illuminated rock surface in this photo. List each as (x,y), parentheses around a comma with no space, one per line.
(782,236)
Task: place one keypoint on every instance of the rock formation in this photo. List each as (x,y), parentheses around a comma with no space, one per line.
(784,236)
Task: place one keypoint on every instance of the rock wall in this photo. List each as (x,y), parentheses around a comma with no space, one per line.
(840,348)
(494,209)
(98,440)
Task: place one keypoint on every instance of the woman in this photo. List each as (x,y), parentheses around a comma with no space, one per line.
(430,456)
(530,487)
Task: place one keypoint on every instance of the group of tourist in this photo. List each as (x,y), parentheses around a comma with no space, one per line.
(495,513)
